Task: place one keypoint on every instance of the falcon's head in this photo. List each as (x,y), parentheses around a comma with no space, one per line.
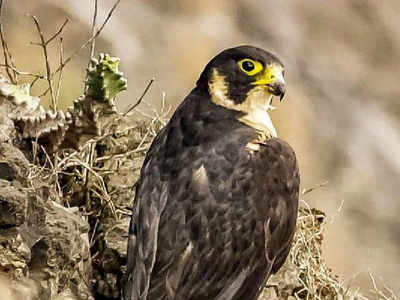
(245,79)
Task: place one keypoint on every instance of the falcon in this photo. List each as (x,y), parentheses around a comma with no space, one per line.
(216,204)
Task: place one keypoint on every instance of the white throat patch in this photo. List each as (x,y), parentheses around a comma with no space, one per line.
(255,106)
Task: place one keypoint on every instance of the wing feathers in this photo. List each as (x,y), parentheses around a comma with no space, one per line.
(174,274)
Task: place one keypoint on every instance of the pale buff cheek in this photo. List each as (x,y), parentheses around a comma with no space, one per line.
(256,104)
(219,90)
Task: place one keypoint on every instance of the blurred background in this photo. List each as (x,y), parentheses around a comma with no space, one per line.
(342,109)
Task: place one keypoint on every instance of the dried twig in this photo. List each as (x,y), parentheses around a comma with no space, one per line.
(86,173)
(141,97)
(386,293)
(309,190)
(18,72)
(125,154)
(60,76)
(8,63)
(93,42)
(159,114)
(48,71)
(92,45)
(44,43)
(57,33)
(89,41)
(84,45)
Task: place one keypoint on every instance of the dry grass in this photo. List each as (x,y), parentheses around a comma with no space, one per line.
(314,279)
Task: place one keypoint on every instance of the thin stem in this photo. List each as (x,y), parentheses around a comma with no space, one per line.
(48,70)
(141,97)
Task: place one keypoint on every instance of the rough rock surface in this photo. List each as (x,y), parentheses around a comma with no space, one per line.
(41,242)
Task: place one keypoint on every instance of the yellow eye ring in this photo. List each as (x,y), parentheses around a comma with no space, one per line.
(250,67)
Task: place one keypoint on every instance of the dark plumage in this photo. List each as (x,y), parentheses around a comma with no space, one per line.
(216,204)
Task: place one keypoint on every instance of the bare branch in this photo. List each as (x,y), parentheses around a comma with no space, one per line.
(93,30)
(57,33)
(6,53)
(48,70)
(309,190)
(33,82)
(11,62)
(92,44)
(141,97)
(44,93)
(44,43)
(16,71)
(89,41)
(60,76)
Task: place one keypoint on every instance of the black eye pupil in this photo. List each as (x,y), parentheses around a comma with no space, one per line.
(248,66)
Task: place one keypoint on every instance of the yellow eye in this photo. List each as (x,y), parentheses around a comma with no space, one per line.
(249,66)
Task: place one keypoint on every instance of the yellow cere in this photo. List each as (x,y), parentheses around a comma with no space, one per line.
(273,73)
(257,66)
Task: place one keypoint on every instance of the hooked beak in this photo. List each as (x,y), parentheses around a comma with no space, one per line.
(273,79)
(278,89)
